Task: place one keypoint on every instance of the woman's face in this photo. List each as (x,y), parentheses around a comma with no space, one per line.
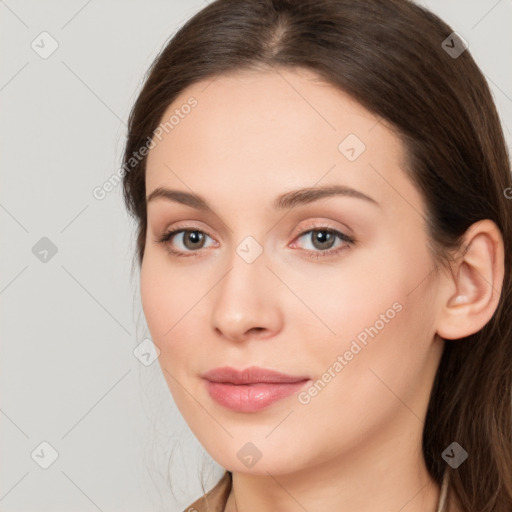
(268,286)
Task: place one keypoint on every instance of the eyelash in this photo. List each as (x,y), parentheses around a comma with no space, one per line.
(166,237)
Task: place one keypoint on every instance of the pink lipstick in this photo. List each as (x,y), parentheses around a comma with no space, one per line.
(252,389)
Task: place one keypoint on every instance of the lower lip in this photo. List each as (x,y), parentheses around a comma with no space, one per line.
(251,397)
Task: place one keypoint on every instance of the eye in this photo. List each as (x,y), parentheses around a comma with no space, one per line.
(323,241)
(191,240)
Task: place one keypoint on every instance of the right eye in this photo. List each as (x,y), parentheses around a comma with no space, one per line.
(191,241)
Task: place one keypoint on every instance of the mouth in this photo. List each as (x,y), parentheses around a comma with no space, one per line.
(252,389)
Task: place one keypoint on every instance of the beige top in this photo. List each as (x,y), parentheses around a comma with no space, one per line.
(215,500)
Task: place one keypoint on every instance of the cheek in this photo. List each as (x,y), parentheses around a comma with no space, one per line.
(173,307)
(367,375)
(163,299)
(345,298)
(380,313)
(386,332)
(152,297)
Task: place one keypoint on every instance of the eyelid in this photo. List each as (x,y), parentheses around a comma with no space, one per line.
(318,225)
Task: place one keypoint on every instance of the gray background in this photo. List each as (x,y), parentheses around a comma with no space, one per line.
(70,324)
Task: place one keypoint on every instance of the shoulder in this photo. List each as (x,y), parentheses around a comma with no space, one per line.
(215,499)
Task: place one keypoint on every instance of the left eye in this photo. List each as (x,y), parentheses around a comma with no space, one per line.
(323,240)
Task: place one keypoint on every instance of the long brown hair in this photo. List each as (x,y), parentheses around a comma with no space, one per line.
(389,56)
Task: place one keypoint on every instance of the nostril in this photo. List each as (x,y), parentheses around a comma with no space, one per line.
(257,329)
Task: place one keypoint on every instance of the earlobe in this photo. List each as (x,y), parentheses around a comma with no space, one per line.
(476,281)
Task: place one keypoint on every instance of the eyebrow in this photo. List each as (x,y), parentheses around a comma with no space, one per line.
(285,201)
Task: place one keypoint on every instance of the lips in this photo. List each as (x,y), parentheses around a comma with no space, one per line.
(252,389)
(251,375)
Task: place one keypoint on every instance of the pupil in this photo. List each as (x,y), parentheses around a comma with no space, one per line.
(324,237)
(195,237)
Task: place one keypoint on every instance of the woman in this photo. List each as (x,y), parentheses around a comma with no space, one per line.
(324,236)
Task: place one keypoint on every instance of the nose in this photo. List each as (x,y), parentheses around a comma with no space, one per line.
(246,302)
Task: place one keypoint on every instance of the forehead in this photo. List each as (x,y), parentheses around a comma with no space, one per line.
(253,131)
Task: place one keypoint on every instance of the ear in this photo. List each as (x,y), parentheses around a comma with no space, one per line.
(473,290)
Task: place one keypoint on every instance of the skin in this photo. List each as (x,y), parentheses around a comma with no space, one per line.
(357,444)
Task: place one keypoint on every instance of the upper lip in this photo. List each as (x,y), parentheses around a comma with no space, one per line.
(250,375)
